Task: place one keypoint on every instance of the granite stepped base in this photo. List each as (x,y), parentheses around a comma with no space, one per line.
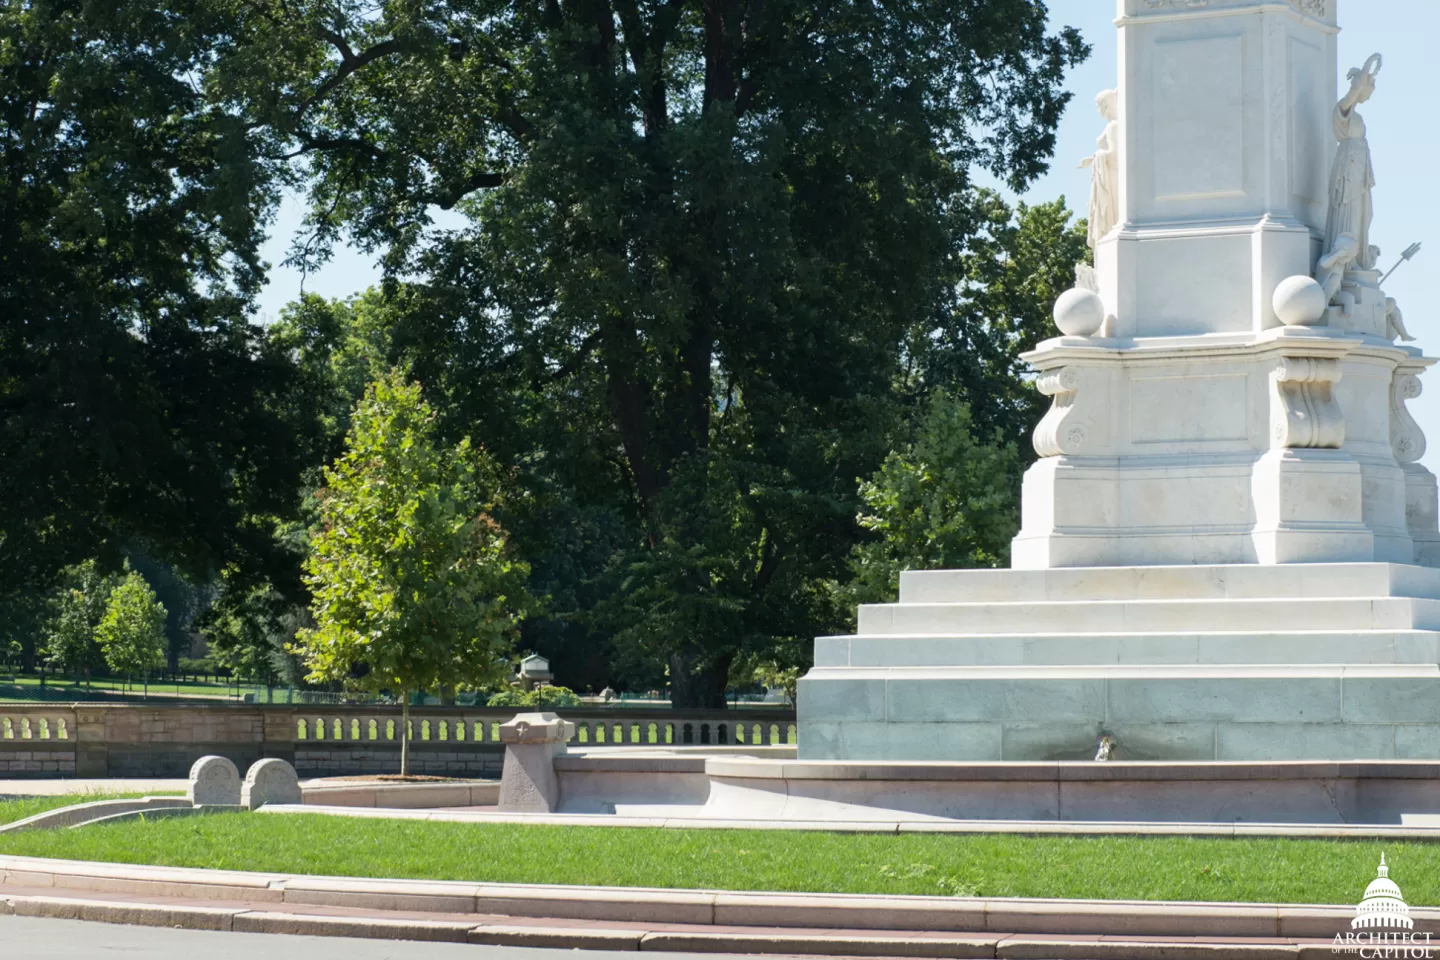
(1244,662)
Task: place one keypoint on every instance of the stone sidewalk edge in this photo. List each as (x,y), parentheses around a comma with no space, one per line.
(981,947)
(1348,831)
(700,907)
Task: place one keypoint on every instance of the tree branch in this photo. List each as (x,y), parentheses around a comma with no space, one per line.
(349,63)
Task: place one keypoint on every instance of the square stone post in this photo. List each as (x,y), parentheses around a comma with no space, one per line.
(532,742)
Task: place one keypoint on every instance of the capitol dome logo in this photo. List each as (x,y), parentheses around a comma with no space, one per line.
(1383,907)
(1382,926)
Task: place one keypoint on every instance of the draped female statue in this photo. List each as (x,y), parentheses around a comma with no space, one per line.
(1105,171)
(1352,178)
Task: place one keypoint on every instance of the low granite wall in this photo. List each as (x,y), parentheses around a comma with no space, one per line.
(163,740)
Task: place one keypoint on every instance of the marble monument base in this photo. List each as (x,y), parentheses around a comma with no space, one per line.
(1230,663)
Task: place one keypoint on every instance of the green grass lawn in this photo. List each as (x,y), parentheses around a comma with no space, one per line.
(1129,868)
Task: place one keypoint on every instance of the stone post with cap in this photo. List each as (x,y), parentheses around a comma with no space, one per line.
(532,742)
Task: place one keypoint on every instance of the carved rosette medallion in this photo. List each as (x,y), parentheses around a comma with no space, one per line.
(1304,413)
(1316,8)
(1406,437)
(1059,432)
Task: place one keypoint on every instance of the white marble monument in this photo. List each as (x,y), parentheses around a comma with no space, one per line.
(1228,541)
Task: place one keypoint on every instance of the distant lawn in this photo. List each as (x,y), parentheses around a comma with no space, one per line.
(1119,868)
(19,809)
(18,688)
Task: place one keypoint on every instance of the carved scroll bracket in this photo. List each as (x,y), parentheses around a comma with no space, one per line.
(1303,410)
(1061,431)
(1406,437)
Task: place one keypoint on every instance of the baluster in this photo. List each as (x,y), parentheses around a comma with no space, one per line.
(722,734)
(64,729)
(25,728)
(791,734)
(301,731)
(705,733)
(459,730)
(355,728)
(689,734)
(6,730)
(338,730)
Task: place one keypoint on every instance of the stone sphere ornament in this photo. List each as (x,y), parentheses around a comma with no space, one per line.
(1300,302)
(1079,312)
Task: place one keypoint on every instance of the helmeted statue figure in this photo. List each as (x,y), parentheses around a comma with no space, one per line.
(1352,178)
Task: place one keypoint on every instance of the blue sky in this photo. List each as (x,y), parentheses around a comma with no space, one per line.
(1401,119)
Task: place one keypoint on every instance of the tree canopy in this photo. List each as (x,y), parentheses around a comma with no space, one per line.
(705,238)
(702,267)
(136,399)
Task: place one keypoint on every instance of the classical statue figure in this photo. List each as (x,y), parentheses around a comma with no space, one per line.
(1352,178)
(1105,171)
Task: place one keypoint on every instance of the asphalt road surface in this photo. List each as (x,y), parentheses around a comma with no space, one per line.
(28,938)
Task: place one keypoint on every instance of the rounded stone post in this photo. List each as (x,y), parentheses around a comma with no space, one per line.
(214,782)
(270,781)
(532,742)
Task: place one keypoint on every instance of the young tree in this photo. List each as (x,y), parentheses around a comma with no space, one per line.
(76,610)
(946,500)
(132,632)
(413,584)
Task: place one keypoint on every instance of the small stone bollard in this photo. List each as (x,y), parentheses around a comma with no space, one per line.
(270,781)
(214,782)
(532,742)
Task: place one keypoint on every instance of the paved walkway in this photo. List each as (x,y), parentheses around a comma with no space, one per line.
(269,917)
(55,788)
(31,938)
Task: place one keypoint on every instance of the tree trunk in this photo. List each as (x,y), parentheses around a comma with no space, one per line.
(405,733)
(700,688)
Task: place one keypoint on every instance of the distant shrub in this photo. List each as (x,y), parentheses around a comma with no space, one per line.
(541,697)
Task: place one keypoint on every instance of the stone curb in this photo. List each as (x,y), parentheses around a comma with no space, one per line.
(702,907)
(1081,828)
(94,811)
(920,946)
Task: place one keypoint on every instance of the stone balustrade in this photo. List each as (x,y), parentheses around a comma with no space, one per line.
(163,740)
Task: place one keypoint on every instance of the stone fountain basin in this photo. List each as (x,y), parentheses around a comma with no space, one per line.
(744,788)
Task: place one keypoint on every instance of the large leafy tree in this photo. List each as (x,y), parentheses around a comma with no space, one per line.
(136,400)
(702,235)
(946,499)
(1014,263)
(414,586)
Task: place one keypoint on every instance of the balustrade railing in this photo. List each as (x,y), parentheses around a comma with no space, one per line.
(317,725)
(24,723)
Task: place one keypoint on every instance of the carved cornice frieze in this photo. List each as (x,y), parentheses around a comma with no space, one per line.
(1304,412)
(1406,437)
